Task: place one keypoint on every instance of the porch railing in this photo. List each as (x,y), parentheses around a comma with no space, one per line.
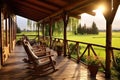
(88,49)
(82,50)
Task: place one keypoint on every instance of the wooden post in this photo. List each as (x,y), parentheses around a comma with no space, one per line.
(38,31)
(109,15)
(43,29)
(9,34)
(78,52)
(65,20)
(12,33)
(1,16)
(6,28)
(50,31)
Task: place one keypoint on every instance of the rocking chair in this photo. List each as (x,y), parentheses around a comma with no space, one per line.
(41,65)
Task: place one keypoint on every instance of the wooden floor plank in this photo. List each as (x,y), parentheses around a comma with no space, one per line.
(15,69)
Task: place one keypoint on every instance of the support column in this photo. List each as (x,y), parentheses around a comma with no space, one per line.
(1,17)
(6,28)
(109,16)
(43,29)
(65,20)
(9,34)
(50,31)
(38,26)
(12,33)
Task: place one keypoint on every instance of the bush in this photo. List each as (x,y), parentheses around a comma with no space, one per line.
(18,30)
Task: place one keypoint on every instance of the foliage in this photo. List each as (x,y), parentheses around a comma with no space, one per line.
(92,61)
(117,66)
(72,47)
(72,24)
(47,28)
(18,30)
(94,28)
(44,41)
(85,30)
(83,58)
(29,23)
(60,26)
(59,45)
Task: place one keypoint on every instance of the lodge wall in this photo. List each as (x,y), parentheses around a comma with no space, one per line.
(7,33)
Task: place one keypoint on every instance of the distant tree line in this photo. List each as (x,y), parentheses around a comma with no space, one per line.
(18,30)
(85,30)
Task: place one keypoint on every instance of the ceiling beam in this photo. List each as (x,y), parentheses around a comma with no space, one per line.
(44,4)
(72,7)
(22,3)
(40,5)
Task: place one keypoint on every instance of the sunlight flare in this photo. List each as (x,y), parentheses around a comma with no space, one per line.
(100,9)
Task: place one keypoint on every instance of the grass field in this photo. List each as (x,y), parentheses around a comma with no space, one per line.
(99,39)
(95,39)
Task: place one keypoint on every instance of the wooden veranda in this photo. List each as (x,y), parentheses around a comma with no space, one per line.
(16,69)
(49,11)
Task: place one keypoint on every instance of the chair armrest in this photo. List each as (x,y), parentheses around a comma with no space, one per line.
(44,52)
(47,56)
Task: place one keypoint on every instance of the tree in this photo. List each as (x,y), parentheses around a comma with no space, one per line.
(85,30)
(94,28)
(18,30)
(60,26)
(47,28)
(29,24)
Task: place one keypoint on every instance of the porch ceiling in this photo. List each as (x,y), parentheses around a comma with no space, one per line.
(42,9)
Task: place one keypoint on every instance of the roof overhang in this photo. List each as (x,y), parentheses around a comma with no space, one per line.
(40,10)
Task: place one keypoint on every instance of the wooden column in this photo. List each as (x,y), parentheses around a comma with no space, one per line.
(109,19)
(38,26)
(15,25)
(1,16)
(43,29)
(50,31)
(6,35)
(65,20)
(14,28)
(9,33)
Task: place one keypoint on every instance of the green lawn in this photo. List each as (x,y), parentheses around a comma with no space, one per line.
(95,39)
(99,39)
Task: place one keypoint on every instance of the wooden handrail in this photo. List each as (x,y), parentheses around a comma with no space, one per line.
(88,47)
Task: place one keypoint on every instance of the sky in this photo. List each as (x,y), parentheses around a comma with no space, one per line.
(85,19)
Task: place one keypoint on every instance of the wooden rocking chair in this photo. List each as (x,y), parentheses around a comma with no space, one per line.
(41,65)
(38,51)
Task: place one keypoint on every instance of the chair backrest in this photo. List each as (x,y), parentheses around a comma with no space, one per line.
(32,57)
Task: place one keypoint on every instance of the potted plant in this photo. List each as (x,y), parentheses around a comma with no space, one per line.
(117,64)
(93,66)
(59,48)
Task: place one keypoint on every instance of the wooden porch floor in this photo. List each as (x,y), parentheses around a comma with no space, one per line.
(15,69)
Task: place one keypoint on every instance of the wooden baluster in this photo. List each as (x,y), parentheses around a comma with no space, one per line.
(89,45)
(78,51)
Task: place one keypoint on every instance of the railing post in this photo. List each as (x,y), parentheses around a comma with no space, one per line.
(78,51)
(89,45)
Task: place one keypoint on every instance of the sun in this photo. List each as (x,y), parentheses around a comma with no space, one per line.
(100,9)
